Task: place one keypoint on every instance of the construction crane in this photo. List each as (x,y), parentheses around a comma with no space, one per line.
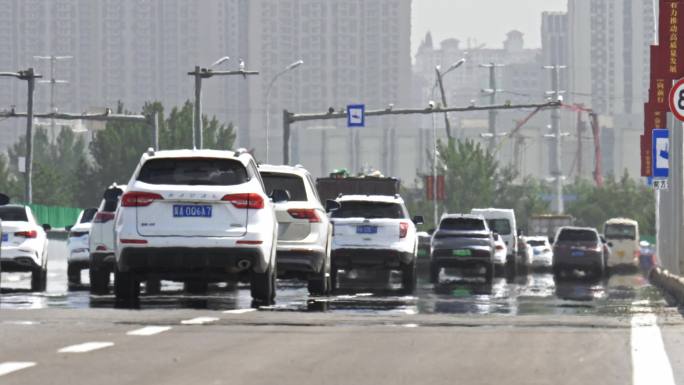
(519,139)
(595,129)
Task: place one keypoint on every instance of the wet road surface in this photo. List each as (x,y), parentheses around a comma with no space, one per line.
(526,330)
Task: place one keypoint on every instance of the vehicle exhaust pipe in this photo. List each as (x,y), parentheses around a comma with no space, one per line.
(244,264)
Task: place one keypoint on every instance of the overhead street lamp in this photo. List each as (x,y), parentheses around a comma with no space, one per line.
(30,78)
(439,76)
(268,100)
(205,73)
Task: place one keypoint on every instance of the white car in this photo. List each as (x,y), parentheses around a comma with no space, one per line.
(78,245)
(375,231)
(24,244)
(502,221)
(196,216)
(304,229)
(540,253)
(500,252)
(102,240)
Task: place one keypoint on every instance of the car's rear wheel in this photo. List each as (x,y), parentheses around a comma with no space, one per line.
(99,280)
(489,273)
(74,274)
(409,277)
(319,284)
(434,272)
(333,277)
(126,287)
(262,286)
(39,279)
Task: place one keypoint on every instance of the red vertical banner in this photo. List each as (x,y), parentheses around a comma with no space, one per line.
(429,187)
(646,156)
(441,188)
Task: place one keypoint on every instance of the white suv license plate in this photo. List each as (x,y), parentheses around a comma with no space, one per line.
(192,211)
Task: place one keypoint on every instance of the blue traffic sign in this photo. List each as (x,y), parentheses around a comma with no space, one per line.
(356,115)
(661,153)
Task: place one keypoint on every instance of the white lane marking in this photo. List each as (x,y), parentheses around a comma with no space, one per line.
(410,325)
(199,321)
(239,311)
(149,331)
(650,364)
(9,367)
(85,347)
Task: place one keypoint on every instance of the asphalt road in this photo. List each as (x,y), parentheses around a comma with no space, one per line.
(530,330)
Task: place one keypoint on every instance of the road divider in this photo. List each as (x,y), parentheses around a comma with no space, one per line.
(149,331)
(670,284)
(85,347)
(9,367)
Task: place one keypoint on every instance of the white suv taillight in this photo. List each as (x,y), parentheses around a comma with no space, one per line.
(103,217)
(139,199)
(309,214)
(245,201)
(403,229)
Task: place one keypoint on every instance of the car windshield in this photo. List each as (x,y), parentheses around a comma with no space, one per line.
(294,184)
(501,226)
(619,231)
(577,235)
(88,215)
(462,224)
(369,210)
(534,243)
(193,171)
(13,213)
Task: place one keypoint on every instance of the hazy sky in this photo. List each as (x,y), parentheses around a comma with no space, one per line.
(487,21)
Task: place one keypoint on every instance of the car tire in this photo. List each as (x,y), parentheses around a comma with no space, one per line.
(334,277)
(262,286)
(434,273)
(557,273)
(196,287)
(489,273)
(39,279)
(511,270)
(73,274)
(409,278)
(99,281)
(153,286)
(126,287)
(319,284)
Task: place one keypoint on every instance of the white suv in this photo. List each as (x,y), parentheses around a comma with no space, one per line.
(78,244)
(375,231)
(24,244)
(102,240)
(304,229)
(196,216)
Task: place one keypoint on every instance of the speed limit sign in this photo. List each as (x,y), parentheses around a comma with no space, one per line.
(677,100)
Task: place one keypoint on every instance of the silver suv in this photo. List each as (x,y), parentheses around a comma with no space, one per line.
(304,230)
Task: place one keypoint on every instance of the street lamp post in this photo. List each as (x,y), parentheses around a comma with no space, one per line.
(30,76)
(268,101)
(205,73)
(439,76)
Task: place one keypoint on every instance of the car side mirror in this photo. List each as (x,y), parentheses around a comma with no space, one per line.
(418,220)
(4,199)
(47,227)
(495,234)
(610,244)
(332,205)
(280,196)
(67,228)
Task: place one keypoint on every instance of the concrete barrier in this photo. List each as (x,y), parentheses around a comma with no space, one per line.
(670,284)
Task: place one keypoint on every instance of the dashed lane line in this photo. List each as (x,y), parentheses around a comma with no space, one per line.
(149,331)
(12,366)
(85,347)
(199,321)
(650,364)
(239,311)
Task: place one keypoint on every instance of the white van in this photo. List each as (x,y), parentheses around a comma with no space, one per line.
(502,221)
(622,235)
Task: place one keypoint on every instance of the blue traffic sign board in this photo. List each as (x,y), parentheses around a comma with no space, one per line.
(661,153)
(356,115)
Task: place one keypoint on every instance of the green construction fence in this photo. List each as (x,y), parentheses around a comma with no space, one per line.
(57,217)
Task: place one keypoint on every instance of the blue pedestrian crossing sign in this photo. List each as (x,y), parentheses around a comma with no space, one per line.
(661,153)
(356,115)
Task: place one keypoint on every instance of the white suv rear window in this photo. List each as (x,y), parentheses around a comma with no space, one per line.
(294,184)
(366,209)
(193,171)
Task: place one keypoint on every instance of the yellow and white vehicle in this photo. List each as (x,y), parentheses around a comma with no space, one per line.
(622,236)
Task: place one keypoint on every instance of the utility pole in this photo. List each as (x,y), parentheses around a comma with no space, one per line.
(52,81)
(492,91)
(556,170)
(205,73)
